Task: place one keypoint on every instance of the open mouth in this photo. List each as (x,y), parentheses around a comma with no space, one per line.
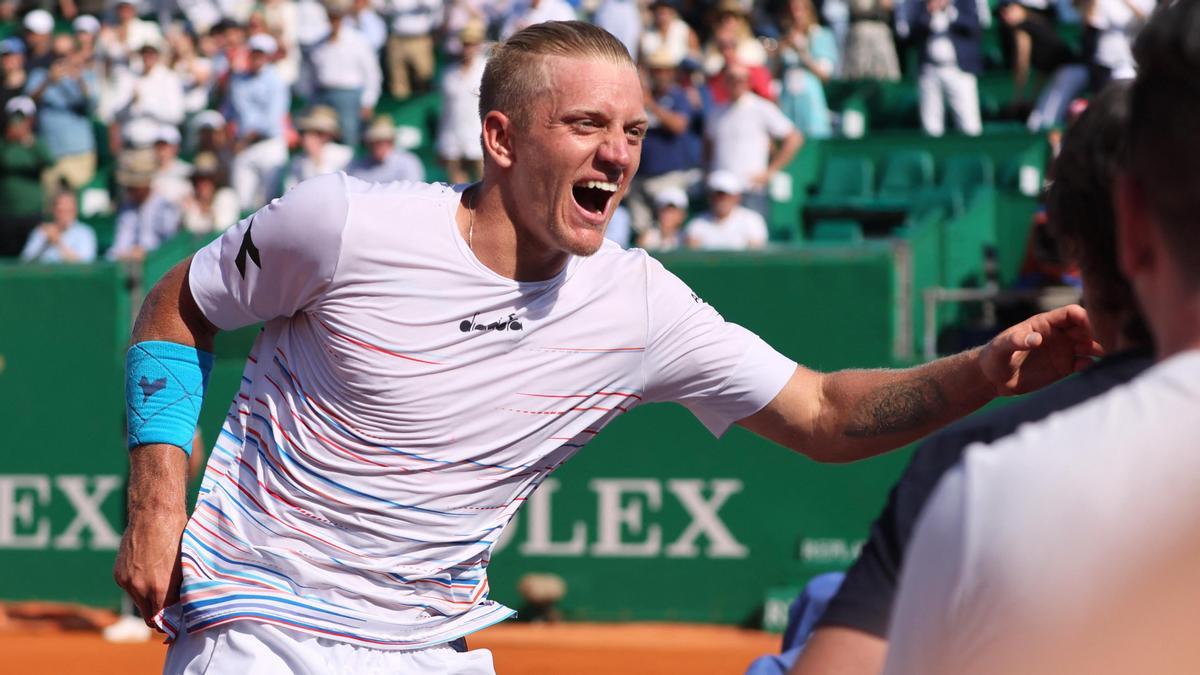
(593,195)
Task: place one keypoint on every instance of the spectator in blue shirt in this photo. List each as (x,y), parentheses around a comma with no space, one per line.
(258,103)
(672,150)
(64,239)
(66,95)
(384,162)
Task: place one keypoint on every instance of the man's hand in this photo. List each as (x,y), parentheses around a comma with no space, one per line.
(1039,350)
(148,562)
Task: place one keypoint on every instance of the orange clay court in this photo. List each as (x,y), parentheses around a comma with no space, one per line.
(43,640)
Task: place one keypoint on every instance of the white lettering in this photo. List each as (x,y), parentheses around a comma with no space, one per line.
(87,512)
(539,540)
(17,511)
(721,543)
(613,517)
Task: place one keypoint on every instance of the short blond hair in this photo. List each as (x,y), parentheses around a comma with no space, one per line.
(515,74)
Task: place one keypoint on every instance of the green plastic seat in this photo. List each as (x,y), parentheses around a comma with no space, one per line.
(837,232)
(846,181)
(906,173)
(968,173)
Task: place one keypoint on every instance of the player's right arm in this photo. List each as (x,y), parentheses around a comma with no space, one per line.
(276,263)
(148,562)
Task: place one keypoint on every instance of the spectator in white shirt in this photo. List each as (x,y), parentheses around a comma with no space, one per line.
(121,42)
(211,206)
(622,18)
(669,34)
(741,136)
(64,239)
(410,56)
(524,13)
(173,178)
(458,142)
(157,92)
(347,73)
(726,225)
(364,19)
(319,154)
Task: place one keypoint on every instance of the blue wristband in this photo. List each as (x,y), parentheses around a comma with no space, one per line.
(164,389)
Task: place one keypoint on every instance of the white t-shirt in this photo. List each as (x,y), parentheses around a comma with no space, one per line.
(741,135)
(460,128)
(403,400)
(1033,534)
(742,229)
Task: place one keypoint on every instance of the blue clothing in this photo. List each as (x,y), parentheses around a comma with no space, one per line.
(64,122)
(803,615)
(258,103)
(803,95)
(400,165)
(147,226)
(663,151)
(964,33)
(78,238)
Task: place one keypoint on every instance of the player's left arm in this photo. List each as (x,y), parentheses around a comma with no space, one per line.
(854,414)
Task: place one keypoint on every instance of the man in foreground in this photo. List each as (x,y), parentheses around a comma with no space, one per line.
(851,636)
(1039,553)
(430,354)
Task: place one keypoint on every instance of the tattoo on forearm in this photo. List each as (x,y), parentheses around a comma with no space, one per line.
(897,407)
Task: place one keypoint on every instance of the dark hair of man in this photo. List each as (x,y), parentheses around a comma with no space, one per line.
(515,74)
(1080,214)
(1164,127)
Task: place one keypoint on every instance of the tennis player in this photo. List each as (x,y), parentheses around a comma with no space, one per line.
(430,353)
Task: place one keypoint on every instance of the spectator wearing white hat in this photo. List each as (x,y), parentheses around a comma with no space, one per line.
(87,37)
(38,25)
(319,153)
(410,54)
(172,180)
(157,91)
(257,106)
(145,218)
(66,95)
(22,159)
(347,73)
(384,162)
(459,128)
(727,225)
(751,138)
(670,210)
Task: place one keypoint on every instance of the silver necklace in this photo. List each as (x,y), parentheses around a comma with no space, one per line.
(471,226)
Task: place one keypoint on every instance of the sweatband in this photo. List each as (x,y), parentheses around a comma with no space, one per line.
(164,389)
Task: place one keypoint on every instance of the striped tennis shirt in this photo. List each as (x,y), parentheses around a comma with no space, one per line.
(403,400)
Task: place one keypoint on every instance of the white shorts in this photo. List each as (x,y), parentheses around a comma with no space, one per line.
(254,648)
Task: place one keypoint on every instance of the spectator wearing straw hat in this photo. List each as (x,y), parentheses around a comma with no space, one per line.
(211,206)
(459,129)
(384,162)
(145,218)
(670,210)
(672,151)
(319,154)
(23,158)
(38,25)
(257,105)
(347,73)
(726,225)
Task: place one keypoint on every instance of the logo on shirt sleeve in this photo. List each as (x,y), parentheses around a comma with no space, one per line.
(248,249)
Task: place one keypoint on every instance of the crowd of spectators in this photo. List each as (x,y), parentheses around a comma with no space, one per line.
(258,95)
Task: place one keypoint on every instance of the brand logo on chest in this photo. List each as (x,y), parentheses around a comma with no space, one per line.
(509,323)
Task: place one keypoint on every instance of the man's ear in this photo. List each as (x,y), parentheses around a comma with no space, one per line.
(497,138)
(1135,248)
